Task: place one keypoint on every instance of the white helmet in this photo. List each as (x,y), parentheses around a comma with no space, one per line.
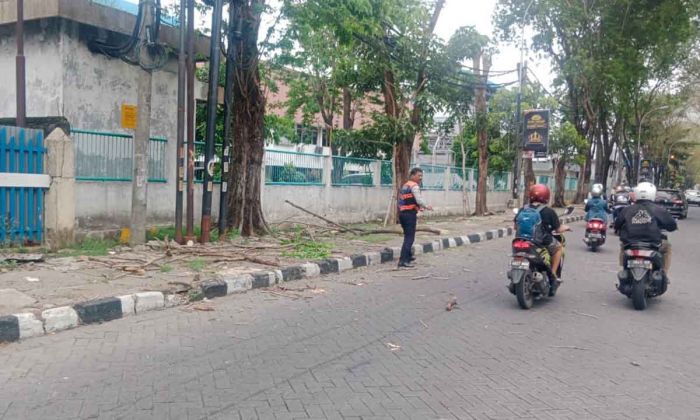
(645,191)
(597,190)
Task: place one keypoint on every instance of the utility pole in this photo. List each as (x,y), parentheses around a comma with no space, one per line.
(517,165)
(20,68)
(139,190)
(191,105)
(180,166)
(518,135)
(212,102)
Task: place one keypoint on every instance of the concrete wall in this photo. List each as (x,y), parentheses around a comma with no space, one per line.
(44,70)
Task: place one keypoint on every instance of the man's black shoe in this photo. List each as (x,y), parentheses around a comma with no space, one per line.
(406,265)
(412,259)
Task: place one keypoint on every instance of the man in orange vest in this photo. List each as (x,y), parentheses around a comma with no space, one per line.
(410,203)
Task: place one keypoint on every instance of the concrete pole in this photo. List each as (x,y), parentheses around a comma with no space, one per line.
(191,105)
(180,165)
(139,187)
(212,102)
(20,68)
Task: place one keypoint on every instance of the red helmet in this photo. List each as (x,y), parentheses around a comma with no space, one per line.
(539,193)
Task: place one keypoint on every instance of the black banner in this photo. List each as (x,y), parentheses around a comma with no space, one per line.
(536,132)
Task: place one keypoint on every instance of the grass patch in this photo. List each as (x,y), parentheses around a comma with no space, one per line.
(197,264)
(89,247)
(8,265)
(306,249)
(160,233)
(165,268)
(377,238)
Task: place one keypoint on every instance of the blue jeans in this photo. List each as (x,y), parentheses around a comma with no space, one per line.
(408,220)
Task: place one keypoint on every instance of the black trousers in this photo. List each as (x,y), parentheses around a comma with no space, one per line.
(408,220)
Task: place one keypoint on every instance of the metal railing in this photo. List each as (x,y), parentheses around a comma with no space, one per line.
(387,174)
(571,184)
(433,176)
(352,171)
(105,156)
(500,181)
(293,168)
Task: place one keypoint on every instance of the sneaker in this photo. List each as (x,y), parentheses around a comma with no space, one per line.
(412,258)
(406,265)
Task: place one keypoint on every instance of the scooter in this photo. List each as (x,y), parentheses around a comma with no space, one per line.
(530,269)
(596,231)
(643,275)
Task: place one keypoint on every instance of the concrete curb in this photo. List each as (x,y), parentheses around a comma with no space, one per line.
(24,325)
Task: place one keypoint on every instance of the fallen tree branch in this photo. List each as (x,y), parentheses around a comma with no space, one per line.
(341,227)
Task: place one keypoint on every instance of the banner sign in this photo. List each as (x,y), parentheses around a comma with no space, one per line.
(536,132)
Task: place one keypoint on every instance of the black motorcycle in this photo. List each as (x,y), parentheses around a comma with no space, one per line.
(530,270)
(642,276)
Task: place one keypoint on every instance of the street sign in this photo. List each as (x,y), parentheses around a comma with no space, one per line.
(130,116)
(536,132)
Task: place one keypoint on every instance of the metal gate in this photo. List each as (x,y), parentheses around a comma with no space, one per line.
(22,185)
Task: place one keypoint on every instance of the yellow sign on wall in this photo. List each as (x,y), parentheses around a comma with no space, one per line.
(130,116)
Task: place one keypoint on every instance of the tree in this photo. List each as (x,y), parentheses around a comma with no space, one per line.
(567,146)
(248,130)
(608,56)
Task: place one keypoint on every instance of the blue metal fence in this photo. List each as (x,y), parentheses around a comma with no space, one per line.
(21,152)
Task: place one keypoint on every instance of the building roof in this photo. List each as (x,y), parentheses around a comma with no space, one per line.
(113,15)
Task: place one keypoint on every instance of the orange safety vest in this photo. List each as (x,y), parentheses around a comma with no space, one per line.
(407,202)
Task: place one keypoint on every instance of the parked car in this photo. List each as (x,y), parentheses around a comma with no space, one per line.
(692,197)
(674,202)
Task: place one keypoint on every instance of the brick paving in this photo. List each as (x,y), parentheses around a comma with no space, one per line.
(378,344)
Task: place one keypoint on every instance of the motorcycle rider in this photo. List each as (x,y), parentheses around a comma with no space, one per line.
(596,206)
(643,222)
(539,195)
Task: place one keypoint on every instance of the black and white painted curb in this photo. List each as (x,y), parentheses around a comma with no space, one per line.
(25,325)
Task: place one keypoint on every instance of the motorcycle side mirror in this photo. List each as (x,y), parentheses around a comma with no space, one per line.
(569,209)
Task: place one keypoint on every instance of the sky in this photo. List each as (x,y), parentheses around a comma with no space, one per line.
(477,13)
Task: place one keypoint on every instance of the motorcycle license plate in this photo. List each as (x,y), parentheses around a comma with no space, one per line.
(639,264)
(520,264)
(595,235)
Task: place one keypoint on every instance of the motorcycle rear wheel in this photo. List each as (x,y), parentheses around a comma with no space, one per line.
(523,291)
(639,295)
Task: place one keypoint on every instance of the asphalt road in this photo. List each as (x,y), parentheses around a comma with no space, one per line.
(379,344)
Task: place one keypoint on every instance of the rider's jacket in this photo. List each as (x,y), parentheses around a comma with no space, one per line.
(643,222)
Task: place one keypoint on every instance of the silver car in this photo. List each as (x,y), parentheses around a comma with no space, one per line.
(693,197)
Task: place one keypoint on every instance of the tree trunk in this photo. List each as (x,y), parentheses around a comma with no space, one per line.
(465,180)
(584,180)
(529,178)
(245,206)
(559,182)
(480,207)
(348,114)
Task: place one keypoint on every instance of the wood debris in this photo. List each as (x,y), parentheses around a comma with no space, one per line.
(451,303)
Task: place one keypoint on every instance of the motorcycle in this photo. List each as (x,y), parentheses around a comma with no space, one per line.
(643,276)
(596,230)
(620,201)
(530,269)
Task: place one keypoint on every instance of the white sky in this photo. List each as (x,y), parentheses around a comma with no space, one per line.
(458,13)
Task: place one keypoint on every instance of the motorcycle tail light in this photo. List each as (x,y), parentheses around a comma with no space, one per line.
(521,245)
(644,253)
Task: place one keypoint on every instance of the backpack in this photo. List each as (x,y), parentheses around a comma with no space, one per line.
(529,224)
